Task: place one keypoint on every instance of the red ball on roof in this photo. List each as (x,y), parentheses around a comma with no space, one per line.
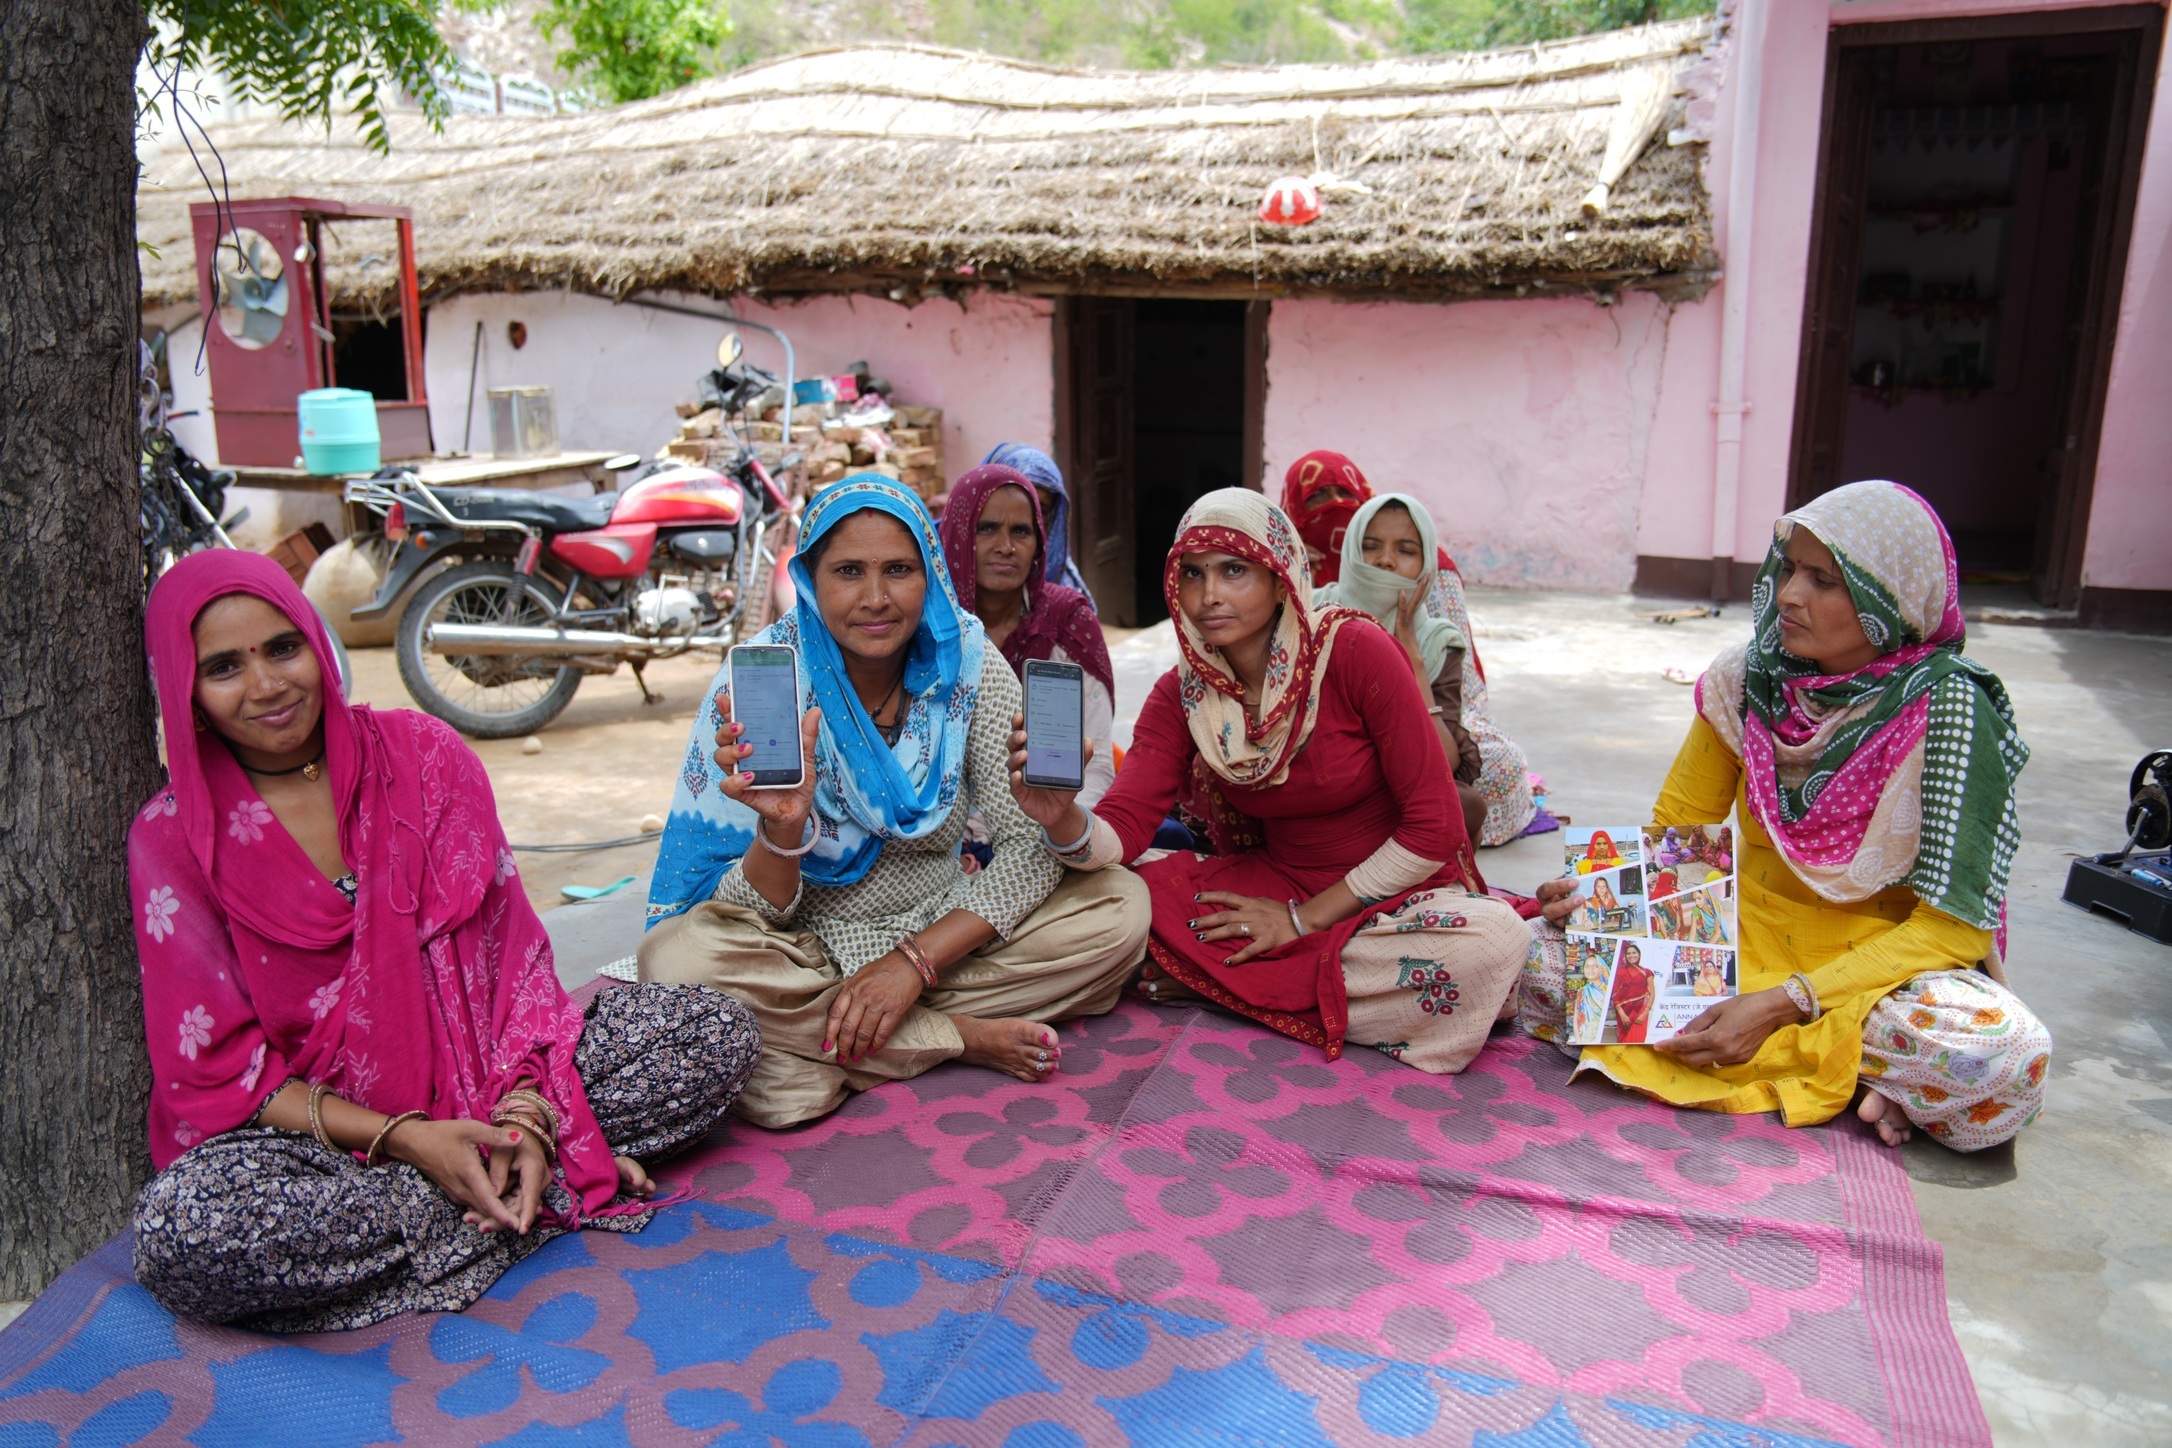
(1291,201)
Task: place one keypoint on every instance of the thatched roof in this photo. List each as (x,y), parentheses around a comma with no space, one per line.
(905,170)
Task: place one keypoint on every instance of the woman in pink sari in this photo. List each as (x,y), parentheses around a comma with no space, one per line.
(370,1093)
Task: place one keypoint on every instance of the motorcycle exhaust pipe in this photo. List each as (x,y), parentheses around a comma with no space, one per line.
(479,640)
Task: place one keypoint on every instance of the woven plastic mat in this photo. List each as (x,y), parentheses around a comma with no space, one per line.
(1200,1234)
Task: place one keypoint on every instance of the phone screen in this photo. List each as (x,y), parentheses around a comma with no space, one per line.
(765,701)
(1055,726)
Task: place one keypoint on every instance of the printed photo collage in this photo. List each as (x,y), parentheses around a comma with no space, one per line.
(1652,936)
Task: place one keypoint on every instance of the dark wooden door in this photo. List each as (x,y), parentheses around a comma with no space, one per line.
(1254,473)
(1836,257)
(1094,427)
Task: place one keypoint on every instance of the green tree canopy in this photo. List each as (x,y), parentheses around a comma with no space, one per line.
(628,50)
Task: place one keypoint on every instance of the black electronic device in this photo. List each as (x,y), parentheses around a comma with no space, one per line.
(2135,883)
(1055,725)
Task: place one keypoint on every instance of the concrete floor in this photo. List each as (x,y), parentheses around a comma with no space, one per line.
(2058,1248)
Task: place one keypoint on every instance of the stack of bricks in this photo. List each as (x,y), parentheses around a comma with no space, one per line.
(909,447)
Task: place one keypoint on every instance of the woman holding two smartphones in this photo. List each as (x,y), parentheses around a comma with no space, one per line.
(837,910)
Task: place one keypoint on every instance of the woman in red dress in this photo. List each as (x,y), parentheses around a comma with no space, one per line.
(1344,900)
(1632,995)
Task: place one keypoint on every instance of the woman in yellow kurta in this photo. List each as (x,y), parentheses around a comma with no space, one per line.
(1873,768)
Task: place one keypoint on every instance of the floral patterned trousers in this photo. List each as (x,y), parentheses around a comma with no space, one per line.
(1960,1055)
(1427,983)
(269,1229)
(1957,1052)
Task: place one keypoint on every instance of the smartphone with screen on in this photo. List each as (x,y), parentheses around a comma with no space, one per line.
(1055,725)
(765,702)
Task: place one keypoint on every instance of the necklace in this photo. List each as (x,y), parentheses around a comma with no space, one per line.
(894,690)
(895,727)
(312,771)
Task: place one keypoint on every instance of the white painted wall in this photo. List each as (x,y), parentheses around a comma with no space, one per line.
(617,370)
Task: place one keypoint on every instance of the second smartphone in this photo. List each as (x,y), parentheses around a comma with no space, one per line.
(1055,725)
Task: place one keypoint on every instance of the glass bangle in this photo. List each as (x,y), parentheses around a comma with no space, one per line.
(761,832)
(1076,845)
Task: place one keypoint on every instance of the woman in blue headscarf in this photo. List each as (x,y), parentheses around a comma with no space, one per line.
(839,912)
(1047,480)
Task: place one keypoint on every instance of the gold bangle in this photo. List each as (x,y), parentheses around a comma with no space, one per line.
(528,1102)
(316,1117)
(369,1158)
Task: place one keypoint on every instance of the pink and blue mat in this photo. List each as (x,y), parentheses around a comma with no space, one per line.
(1201,1234)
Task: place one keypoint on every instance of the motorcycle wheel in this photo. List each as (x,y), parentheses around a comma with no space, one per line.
(484,696)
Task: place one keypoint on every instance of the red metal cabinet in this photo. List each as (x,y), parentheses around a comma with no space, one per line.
(283,347)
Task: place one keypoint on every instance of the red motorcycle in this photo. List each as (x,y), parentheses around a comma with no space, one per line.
(528,592)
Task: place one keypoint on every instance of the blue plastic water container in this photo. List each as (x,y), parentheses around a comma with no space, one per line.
(339,430)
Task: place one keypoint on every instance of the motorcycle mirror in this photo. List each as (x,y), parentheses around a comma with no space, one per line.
(729,350)
(622,462)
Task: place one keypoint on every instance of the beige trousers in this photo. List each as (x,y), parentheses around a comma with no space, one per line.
(1070,957)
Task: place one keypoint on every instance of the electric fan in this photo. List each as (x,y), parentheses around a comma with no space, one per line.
(252,287)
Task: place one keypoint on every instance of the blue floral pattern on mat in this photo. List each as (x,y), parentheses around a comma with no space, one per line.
(728,1328)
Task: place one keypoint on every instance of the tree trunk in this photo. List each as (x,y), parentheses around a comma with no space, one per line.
(76,752)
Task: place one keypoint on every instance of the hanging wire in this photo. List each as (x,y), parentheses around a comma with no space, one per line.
(582,846)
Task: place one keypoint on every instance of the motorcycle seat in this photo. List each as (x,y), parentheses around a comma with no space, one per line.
(550,512)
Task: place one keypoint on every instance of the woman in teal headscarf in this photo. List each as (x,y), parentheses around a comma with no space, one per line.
(1389,563)
(838,912)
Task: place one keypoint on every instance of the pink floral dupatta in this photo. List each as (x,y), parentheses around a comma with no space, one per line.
(434,991)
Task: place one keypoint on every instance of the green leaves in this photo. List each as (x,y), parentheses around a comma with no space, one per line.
(308,57)
(1485,24)
(1161,34)
(628,50)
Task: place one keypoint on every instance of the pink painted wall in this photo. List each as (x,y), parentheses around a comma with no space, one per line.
(1523,425)
(618,370)
(1680,468)
(989,363)
(1556,439)
(2130,517)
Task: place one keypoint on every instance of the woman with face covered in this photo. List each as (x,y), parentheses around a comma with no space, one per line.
(1872,766)
(1389,567)
(369,1094)
(1322,495)
(1359,914)
(838,911)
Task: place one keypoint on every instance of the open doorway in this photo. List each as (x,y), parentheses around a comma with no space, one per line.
(1158,401)
(1974,200)
(369,353)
